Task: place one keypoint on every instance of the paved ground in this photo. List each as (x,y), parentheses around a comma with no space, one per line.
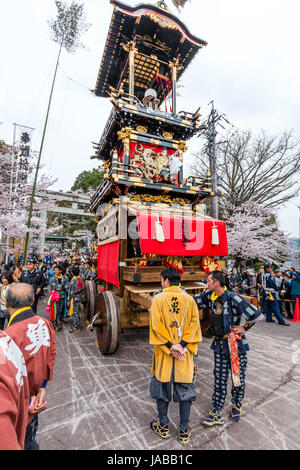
(103,402)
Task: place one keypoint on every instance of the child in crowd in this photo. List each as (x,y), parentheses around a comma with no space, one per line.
(74,299)
(60,284)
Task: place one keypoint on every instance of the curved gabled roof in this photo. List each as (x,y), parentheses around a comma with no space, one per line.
(157,31)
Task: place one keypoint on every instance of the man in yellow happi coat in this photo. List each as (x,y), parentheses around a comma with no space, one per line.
(175,333)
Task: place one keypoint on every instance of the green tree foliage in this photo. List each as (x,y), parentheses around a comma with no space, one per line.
(88,180)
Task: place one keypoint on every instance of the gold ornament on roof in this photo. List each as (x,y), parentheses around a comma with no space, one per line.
(167,135)
(124,133)
(142,129)
(161,21)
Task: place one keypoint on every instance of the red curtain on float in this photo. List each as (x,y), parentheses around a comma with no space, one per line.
(108,263)
(183,236)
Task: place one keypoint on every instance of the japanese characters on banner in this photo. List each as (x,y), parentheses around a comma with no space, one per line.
(23,136)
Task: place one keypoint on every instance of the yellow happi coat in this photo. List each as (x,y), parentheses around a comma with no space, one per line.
(163,329)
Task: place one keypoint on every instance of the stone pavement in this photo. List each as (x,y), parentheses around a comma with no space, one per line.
(103,402)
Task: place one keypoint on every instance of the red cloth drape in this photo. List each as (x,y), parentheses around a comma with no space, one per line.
(184,236)
(108,263)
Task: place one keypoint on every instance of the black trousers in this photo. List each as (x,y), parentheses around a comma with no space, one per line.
(35,304)
(2,322)
(222,368)
(30,437)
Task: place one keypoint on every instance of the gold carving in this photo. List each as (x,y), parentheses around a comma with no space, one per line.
(163,198)
(167,135)
(107,227)
(155,141)
(124,133)
(161,21)
(182,146)
(154,42)
(106,164)
(152,162)
(142,129)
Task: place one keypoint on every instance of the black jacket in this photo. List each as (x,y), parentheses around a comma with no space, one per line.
(35,279)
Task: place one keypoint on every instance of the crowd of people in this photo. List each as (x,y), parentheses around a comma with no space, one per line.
(284,285)
(175,333)
(27,345)
(46,275)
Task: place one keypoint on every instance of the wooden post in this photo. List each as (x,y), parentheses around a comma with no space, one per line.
(132,51)
(173,67)
(123,240)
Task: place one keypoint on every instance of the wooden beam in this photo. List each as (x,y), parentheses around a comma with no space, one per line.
(141,299)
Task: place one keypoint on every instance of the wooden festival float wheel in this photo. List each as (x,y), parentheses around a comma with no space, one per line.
(89,295)
(108,322)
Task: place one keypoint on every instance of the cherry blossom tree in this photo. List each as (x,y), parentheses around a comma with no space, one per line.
(253,234)
(17,166)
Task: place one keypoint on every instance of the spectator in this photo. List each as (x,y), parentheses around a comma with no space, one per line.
(90,273)
(271,297)
(60,284)
(7,281)
(227,280)
(44,271)
(11,259)
(18,271)
(36,339)
(4,269)
(251,283)
(74,299)
(235,280)
(51,272)
(82,270)
(48,260)
(278,278)
(35,278)
(244,283)
(295,288)
(69,275)
(285,293)
(21,259)
(259,282)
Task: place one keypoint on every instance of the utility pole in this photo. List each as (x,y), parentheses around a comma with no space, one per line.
(213,162)
(214,119)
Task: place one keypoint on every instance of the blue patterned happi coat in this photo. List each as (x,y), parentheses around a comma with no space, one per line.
(235,307)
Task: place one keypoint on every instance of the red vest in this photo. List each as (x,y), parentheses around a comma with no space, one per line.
(14,395)
(35,336)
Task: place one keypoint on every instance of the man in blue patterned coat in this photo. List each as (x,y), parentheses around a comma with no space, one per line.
(227,309)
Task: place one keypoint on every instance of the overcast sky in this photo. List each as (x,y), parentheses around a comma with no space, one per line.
(250,68)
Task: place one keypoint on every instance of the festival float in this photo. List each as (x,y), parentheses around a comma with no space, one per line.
(149,216)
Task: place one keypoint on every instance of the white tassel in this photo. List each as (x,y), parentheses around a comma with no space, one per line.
(214,235)
(159,231)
